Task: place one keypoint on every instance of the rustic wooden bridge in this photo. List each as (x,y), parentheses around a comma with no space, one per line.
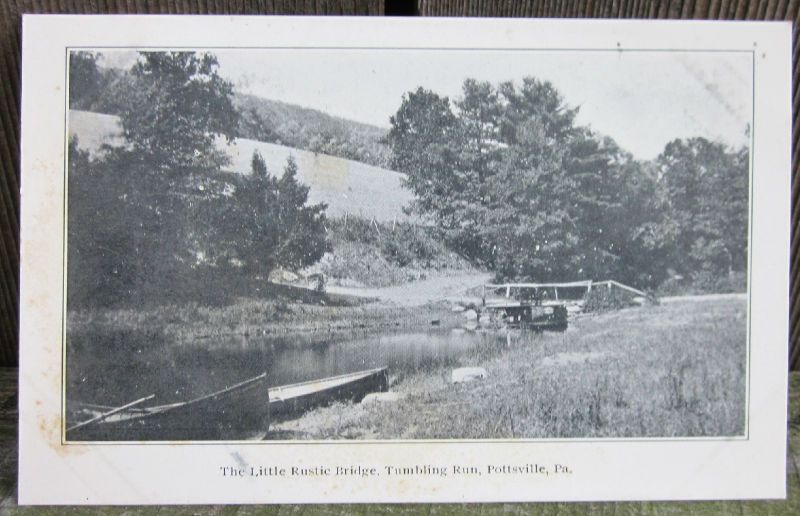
(547,294)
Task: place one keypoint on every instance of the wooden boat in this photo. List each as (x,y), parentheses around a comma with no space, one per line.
(240,411)
(292,400)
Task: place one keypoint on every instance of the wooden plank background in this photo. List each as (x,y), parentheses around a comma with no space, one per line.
(10,23)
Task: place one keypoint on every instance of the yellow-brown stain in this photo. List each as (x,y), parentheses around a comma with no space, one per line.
(50,429)
(327,171)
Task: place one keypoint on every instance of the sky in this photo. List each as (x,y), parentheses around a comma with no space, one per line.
(641,99)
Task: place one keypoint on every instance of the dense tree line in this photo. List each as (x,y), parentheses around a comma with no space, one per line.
(308,129)
(515,183)
(156,218)
(504,172)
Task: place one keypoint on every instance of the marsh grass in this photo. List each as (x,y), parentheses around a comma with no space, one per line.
(676,370)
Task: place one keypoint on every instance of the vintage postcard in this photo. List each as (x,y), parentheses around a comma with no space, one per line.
(389,260)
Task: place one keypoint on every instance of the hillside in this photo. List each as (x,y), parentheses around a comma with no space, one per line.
(309,129)
(346,186)
(261,119)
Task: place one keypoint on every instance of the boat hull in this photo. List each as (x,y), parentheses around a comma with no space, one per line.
(292,401)
(231,414)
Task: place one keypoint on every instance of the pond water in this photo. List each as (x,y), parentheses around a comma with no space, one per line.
(119,371)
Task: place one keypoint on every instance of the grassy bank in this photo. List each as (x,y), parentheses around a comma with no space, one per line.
(657,371)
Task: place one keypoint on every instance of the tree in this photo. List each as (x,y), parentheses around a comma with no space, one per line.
(121,234)
(85,80)
(301,235)
(449,157)
(256,126)
(175,107)
(706,185)
(480,112)
(423,137)
(644,250)
(492,173)
(155,216)
(133,231)
(516,184)
(532,194)
(270,223)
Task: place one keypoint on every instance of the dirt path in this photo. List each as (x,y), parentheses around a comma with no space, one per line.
(418,293)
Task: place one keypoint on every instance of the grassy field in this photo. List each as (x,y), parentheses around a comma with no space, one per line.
(657,371)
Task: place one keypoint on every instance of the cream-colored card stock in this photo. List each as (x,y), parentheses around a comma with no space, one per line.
(284,259)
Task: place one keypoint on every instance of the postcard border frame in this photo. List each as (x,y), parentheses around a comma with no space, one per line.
(751,142)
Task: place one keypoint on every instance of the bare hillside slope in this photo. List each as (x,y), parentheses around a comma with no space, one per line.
(347,187)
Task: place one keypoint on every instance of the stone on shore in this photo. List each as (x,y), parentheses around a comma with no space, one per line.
(468,374)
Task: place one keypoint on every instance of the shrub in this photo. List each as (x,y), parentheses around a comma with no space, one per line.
(704,282)
(603,299)
(409,245)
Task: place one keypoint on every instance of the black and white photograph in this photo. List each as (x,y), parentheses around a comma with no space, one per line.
(390,244)
(320,260)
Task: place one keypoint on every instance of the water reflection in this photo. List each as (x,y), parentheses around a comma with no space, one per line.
(296,358)
(174,372)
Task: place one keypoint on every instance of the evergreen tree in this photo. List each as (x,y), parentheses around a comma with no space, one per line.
(302,239)
(269,224)
(532,194)
(175,107)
